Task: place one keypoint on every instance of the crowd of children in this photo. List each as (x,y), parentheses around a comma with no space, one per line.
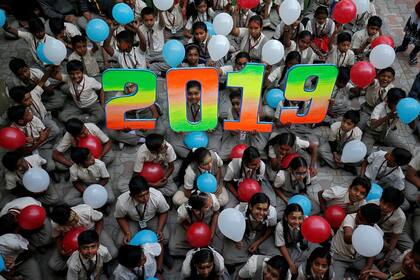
(56,107)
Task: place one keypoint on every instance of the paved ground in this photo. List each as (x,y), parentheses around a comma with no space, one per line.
(394,13)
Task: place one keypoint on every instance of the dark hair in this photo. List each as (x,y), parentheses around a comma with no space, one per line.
(36,25)
(319,252)
(298,162)
(240,55)
(388,69)
(125,36)
(235,93)
(303,34)
(196,156)
(190,46)
(138,185)
(60,214)
(18,93)
(294,207)
(256,18)
(87,237)
(193,84)
(8,224)
(293,55)
(129,255)
(285,138)
(352,115)
(15,64)
(204,255)
(10,160)
(199,25)
(401,156)
(321,10)
(343,37)
(258,198)
(154,142)
(249,154)
(16,113)
(78,39)
(147,11)
(79,155)
(394,95)
(74,126)
(194,12)
(370,212)
(343,74)
(56,25)
(393,196)
(198,200)
(280,264)
(375,21)
(362,181)
(75,65)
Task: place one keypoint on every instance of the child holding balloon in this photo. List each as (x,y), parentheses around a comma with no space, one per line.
(204,263)
(322,28)
(361,39)
(317,266)
(340,54)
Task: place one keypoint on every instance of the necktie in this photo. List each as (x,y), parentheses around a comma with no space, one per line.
(150,40)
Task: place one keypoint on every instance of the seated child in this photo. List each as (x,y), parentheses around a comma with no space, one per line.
(192,56)
(202,11)
(174,23)
(200,37)
(322,28)
(302,45)
(259,266)
(341,54)
(134,261)
(361,39)
(85,55)
(63,31)
(317,266)
(197,262)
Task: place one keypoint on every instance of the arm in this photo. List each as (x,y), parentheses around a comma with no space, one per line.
(10,29)
(169,170)
(375,123)
(99,225)
(107,43)
(275,164)
(411,176)
(287,35)
(213,223)
(59,157)
(268,231)
(163,217)
(363,167)
(280,194)
(123,223)
(322,201)
(392,243)
(231,188)
(235,31)
(348,232)
(363,46)
(103,181)
(106,148)
(161,20)
(102,97)
(79,186)
(187,192)
(142,41)
(285,253)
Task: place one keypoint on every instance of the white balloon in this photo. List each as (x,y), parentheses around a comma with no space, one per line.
(152,248)
(354,151)
(55,51)
(361,6)
(218,47)
(231,223)
(163,5)
(95,195)
(367,241)
(290,11)
(382,56)
(223,24)
(36,180)
(272,52)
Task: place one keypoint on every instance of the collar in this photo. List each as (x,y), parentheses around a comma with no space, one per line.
(347,198)
(86,260)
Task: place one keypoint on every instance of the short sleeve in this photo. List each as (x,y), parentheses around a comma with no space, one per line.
(73,173)
(333,193)
(356,41)
(333,131)
(102,169)
(243,32)
(170,153)
(97,132)
(230,174)
(120,210)
(378,112)
(349,221)
(303,144)
(37,91)
(10,180)
(138,164)
(250,268)
(27,36)
(65,143)
(278,237)
(189,178)
(95,215)
(216,204)
(189,24)
(40,160)
(374,156)
(94,84)
(162,205)
(280,179)
(182,213)
(272,216)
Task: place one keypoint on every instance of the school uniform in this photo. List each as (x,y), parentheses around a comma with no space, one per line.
(219,265)
(360,22)
(254,267)
(82,268)
(339,196)
(250,45)
(296,245)
(88,176)
(148,270)
(89,62)
(357,41)
(341,104)
(322,33)
(155,40)
(340,59)
(279,32)
(174,23)
(313,5)
(241,20)
(203,50)
(207,16)
(85,105)
(33,43)
(303,275)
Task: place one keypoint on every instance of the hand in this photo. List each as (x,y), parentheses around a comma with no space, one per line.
(286,29)
(30,140)
(293,269)
(218,190)
(160,235)
(312,171)
(9,262)
(254,247)
(43,135)
(365,274)
(337,158)
(127,237)
(136,24)
(70,18)
(338,27)
(211,63)
(239,244)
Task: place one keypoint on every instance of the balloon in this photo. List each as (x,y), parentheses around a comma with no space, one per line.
(2,17)
(303,202)
(367,241)
(290,11)
(55,51)
(408,109)
(97,30)
(335,216)
(95,195)
(247,188)
(361,6)
(382,39)
(285,162)
(196,139)
(362,73)
(316,229)
(382,56)
(272,52)
(2,264)
(143,237)
(248,4)
(93,144)
(69,243)
(231,223)
(354,151)
(199,235)
(163,5)
(11,138)
(122,13)
(210,29)
(153,249)
(152,172)
(375,193)
(274,97)
(173,52)
(41,55)
(223,24)
(344,11)
(206,182)
(32,217)
(36,180)
(238,151)
(218,47)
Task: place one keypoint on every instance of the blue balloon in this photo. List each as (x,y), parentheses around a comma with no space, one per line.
(97,30)
(375,193)
(2,264)
(274,97)
(303,202)
(152,278)
(210,29)
(206,182)
(143,237)
(173,52)
(2,17)
(408,109)
(196,139)
(122,13)
(41,55)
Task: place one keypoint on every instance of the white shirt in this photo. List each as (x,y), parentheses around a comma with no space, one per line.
(35,75)
(250,268)
(341,59)
(393,222)
(376,94)
(307,56)
(219,262)
(14,178)
(157,38)
(278,33)
(12,245)
(124,273)
(338,195)
(144,155)
(37,107)
(91,174)
(201,17)
(300,143)
(183,212)
(33,42)
(76,269)
(71,30)
(338,245)
(415,162)
(234,168)
(173,19)
(83,93)
(336,133)
(88,60)
(321,27)
(32,128)
(250,45)
(18,204)
(190,175)
(134,59)
(380,111)
(359,38)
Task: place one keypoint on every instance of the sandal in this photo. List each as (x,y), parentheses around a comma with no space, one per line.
(412,61)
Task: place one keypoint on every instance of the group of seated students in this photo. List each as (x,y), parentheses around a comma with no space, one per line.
(57,106)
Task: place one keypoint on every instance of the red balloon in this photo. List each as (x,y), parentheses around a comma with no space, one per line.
(69,243)
(11,138)
(316,229)
(362,74)
(238,151)
(383,39)
(248,4)
(344,11)
(247,188)
(285,162)
(32,217)
(335,216)
(198,235)
(152,172)
(93,144)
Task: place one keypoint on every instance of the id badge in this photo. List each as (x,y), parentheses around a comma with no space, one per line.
(242,135)
(173,30)
(142,224)
(252,235)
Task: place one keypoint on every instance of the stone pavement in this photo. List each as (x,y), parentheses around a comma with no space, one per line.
(394,13)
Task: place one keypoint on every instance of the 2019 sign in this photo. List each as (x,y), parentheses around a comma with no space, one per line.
(250,79)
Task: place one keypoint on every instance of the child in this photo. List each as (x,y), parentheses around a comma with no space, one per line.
(313,5)
(201,38)
(322,29)
(340,134)
(303,46)
(339,102)
(204,263)
(85,55)
(192,56)
(343,253)
(197,162)
(200,208)
(264,267)
(290,32)
(89,260)
(277,77)
(202,12)
(174,23)
(361,39)
(350,199)
(137,6)
(412,36)
(63,31)
(317,266)
(134,262)
(341,54)
(361,20)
